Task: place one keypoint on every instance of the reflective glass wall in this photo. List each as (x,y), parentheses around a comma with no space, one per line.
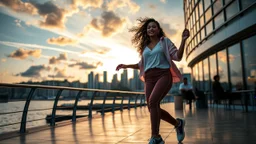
(235,61)
(205,17)
(236,66)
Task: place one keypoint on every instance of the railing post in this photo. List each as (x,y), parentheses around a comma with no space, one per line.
(141,96)
(136,101)
(103,104)
(75,106)
(129,103)
(55,107)
(114,104)
(122,103)
(91,104)
(25,111)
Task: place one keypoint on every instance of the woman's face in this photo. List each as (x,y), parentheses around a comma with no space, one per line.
(152,29)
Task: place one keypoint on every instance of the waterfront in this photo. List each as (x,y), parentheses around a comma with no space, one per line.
(35,115)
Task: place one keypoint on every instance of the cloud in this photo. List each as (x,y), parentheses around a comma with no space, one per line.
(54,17)
(34,71)
(3,60)
(19,6)
(109,23)
(114,4)
(235,73)
(222,56)
(17,45)
(163,1)
(83,65)
(4,73)
(24,53)
(18,23)
(168,30)
(54,60)
(87,3)
(152,6)
(231,57)
(61,73)
(104,51)
(62,41)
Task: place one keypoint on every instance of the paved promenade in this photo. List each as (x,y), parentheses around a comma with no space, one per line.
(203,126)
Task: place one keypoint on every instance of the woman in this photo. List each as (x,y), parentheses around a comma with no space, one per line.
(157,71)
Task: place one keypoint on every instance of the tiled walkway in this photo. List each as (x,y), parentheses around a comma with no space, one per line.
(203,126)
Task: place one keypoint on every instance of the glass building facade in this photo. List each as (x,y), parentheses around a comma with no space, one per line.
(222,41)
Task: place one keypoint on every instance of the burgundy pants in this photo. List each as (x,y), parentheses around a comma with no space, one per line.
(157,84)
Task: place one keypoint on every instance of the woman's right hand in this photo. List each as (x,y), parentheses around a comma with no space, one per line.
(120,66)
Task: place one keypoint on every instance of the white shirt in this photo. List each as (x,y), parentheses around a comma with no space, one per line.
(188,86)
(155,58)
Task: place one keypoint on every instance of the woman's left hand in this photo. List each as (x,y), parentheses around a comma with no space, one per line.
(185,34)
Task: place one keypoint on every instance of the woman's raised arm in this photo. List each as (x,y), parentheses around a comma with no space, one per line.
(133,66)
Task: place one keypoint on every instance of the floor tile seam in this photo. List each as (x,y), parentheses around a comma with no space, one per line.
(129,135)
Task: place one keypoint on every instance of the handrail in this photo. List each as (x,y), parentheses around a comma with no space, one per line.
(33,88)
(65,88)
(247,98)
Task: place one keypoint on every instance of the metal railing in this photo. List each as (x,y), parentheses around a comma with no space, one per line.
(115,94)
(247,98)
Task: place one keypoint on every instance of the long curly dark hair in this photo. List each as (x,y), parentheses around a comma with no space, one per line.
(140,38)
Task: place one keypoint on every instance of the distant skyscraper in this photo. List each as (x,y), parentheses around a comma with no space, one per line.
(96,82)
(114,82)
(105,80)
(124,78)
(136,79)
(90,80)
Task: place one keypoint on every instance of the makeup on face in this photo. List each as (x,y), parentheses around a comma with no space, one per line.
(152,29)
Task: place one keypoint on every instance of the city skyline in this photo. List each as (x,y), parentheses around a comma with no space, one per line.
(68,39)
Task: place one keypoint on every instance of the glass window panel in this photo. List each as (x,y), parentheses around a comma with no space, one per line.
(222,69)
(199,37)
(196,10)
(231,10)
(201,11)
(194,30)
(235,66)
(208,14)
(192,43)
(209,28)
(194,70)
(190,8)
(191,22)
(191,33)
(227,1)
(200,76)
(188,14)
(194,17)
(202,34)
(219,19)
(213,66)
(217,6)
(196,41)
(197,26)
(250,61)
(206,75)
(202,21)
(246,3)
(207,3)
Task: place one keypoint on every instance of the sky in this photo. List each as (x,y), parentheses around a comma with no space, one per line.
(67,39)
